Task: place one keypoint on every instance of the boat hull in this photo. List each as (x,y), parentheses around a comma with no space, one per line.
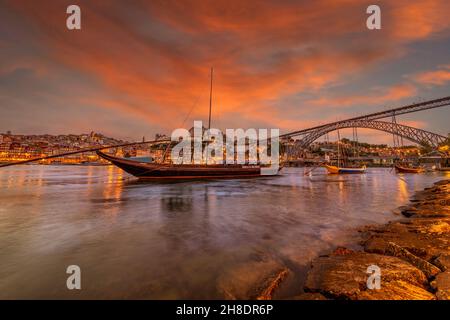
(402,169)
(340,170)
(153,171)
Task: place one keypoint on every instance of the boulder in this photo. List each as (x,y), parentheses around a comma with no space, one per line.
(427,268)
(397,290)
(253,280)
(345,277)
(409,252)
(442,285)
(442,262)
(425,238)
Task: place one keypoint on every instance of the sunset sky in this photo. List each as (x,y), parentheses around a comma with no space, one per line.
(137,68)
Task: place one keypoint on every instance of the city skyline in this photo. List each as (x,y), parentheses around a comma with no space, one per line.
(291,65)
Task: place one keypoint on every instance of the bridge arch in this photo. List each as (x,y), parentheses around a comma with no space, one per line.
(419,136)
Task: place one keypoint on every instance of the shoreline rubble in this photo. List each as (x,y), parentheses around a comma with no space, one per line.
(413,255)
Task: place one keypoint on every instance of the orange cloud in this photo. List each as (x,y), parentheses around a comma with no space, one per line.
(378,97)
(415,20)
(150,59)
(437,77)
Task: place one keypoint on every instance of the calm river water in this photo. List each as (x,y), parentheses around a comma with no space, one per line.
(174,241)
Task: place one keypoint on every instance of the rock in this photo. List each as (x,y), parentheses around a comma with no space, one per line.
(426,210)
(408,252)
(340,251)
(399,210)
(272,282)
(442,262)
(397,290)
(375,245)
(427,268)
(345,277)
(442,285)
(442,182)
(408,211)
(423,237)
(432,202)
(439,227)
(253,280)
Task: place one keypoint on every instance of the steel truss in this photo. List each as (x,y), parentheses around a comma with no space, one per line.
(419,136)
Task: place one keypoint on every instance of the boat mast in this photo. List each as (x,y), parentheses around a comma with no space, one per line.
(210,100)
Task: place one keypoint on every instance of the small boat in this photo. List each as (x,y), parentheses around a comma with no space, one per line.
(400,168)
(337,169)
(143,170)
(341,170)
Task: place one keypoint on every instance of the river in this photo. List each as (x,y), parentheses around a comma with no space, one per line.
(175,240)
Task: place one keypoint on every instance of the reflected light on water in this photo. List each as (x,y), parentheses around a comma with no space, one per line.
(114,185)
(403,193)
(175,240)
(112,190)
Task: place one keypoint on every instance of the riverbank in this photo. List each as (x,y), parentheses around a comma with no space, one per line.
(413,255)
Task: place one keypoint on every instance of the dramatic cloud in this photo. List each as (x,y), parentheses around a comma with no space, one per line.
(140,67)
(377,96)
(437,77)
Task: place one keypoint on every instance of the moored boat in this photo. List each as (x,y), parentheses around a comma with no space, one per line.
(406,169)
(343,170)
(151,170)
(163,171)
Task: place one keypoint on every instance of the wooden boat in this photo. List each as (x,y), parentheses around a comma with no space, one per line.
(143,170)
(146,170)
(337,169)
(405,169)
(344,170)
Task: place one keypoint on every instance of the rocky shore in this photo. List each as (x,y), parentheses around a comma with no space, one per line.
(413,256)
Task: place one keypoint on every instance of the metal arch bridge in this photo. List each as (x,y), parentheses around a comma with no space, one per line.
(311,134)
(370,121)
(419,136)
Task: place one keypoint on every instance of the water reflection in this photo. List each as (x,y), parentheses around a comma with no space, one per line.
(403,190)
(174,240)
(113,188)
(176,204)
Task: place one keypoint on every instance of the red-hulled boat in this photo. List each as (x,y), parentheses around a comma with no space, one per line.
(144,170)
(402,168)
